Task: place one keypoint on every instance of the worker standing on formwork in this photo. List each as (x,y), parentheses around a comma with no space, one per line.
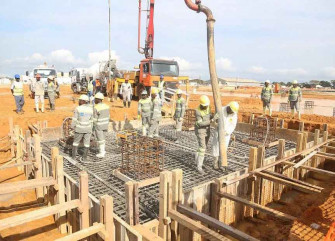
(294,98)
(126,91)
(17,91)
(266,97)
(202,130)
(161,86)
(82,122)
(38,91)
(179,113)
(101,121)
(155,114)
(51,92)
(90,87)
(230,121)
(144,111)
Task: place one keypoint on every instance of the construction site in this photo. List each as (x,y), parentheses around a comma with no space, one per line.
(275,178)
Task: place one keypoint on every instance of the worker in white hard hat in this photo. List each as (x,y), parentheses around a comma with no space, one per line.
(144,111)
(101,118)
(266,97)
(179,112)
(155,113)
(82,122)
(294,98)
(202,130)
(230,116)
(127,92)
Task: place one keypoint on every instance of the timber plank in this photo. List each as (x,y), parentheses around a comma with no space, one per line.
(12,187)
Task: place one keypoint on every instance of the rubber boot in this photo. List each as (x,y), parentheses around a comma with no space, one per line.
(102,152)
(37,108)
(199,164)
(85,153)
(129,104)
(124,104)
(42,108)
(299,115)
(177,137)
(264,112)
(144,131)
(270,112)
(216,163)
(292,114)
(74,152)
(196,157)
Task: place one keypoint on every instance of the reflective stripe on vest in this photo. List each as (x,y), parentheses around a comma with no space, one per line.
(266,93)
(294,93)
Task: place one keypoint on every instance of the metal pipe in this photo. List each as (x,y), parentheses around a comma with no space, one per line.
(212,71)
(139,49)
(109,45)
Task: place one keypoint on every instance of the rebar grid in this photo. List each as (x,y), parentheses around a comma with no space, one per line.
(189,119)
(284,107)
(102,181)
(309,105)
(264,130)
(142,157)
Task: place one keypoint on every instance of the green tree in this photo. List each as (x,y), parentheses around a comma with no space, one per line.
(333,83)
(325,83)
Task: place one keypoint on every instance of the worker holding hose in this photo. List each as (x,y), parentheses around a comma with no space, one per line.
(155,114)
(266,97)
(230,121)
(179,113)
(202,130)
(294,98)
(101,118)
(144,111)
(82,122)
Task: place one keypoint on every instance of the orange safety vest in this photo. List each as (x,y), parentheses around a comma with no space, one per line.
(97,83)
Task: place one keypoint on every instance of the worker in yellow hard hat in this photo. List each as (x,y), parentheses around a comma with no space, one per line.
(202,130)
(294,98)
(229,117)
(266,96)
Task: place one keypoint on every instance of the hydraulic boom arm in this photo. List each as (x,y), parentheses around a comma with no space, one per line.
(148,50)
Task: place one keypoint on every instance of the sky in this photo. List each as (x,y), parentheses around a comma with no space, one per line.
(279,40)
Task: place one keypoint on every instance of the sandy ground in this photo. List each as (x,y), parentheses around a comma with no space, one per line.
(317,208)
(18,203)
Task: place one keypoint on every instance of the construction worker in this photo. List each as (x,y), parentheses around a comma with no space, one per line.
(101,121)
(266,97)
(202,130)
(51,92)
(179,112)
(97,85)
(90,87)
(229,122)
(17,91)
(82,122)
(161,86)
(57,87)
(155,114)
(144,111)
(126,91)
(294,98)
(38,91)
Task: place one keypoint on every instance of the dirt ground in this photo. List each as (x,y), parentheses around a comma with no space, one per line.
(309,208)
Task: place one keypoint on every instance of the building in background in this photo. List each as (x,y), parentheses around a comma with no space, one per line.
(239,82)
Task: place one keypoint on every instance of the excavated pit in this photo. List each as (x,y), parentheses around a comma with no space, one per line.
(181,155)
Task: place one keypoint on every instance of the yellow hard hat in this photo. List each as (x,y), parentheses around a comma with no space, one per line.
(99,96)
(154,90)
(234,106)
(204,100)
(295,82)
(84,98)
(179,92)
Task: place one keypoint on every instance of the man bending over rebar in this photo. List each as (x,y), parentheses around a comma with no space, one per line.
(230,121)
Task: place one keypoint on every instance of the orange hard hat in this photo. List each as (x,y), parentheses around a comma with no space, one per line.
(38,76)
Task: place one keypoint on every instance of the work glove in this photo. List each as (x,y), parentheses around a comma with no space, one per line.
(181,119)
(138,117)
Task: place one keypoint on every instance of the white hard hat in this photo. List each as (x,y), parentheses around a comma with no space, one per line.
(99,96)
(179,92)
(84,98)
(295,82)
(267,81)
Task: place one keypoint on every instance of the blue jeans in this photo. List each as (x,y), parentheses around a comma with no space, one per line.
(19,101)
(90,94)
